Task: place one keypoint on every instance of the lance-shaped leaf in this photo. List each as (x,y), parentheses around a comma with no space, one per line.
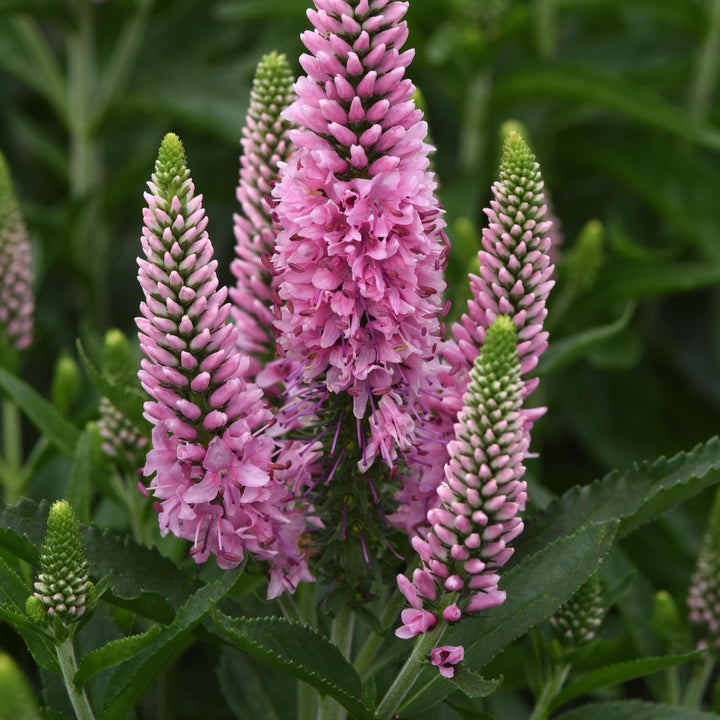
(619,673)
(42,413)
(634,496)
(300,651)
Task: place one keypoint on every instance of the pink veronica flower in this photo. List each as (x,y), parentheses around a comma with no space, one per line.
(515,279)
(483,492)
(361,252)
(212,473)
(265,144)
(17,302)
(446,657)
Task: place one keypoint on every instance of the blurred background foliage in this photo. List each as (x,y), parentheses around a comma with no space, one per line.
(618,100)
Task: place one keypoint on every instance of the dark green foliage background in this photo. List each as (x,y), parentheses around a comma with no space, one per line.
(625,133)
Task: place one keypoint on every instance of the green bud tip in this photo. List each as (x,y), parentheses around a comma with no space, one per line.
(501,336)
(516,153)
(513,126)
(36,611)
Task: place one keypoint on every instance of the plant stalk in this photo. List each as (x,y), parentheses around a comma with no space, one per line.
(554,684)
(68,667)
(697,686)
(12,451)
(409,673)
(705,78)
(342,636)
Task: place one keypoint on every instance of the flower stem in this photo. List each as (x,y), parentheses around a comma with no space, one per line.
(341,635)
(409,672)
(705,78)
(698,683)
(68,667)
(12,451)
(372,644)
(554,684)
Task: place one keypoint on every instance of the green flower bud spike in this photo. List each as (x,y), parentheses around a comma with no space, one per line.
(62,587)
(577,621)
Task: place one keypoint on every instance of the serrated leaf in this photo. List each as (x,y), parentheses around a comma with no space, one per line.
(114,652)
(634,496)
(566,350)
(634,710)
(13,590)
(302,652)
(42,413)
(16,619)
(535,589)
(472,684)
(619,673)
(127,399)
(133,677)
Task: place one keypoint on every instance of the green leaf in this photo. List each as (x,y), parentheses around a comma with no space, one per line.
(611,92)
(77,492)
(619,673)
(13,590)
(18,700)
(472,684)
(42,413)
(243,688)
(302,652)
(535,589)
(113,653)
(566,350)
(634,496)
(127,399)
(132,678)
(634,710)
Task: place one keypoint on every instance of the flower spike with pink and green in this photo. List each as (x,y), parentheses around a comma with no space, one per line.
(17,301)
(265,143)
(212,471)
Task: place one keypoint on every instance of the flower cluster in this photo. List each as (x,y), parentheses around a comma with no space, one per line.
(360,256)
(265,144)
(704,594)
(481,497)
(212,470)
(16,268)
(576,623)
(62,588)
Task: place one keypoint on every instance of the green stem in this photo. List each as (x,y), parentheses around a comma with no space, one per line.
(12,451)
(545,28)
(409,673)
(372,644)
(554,684)
(471,133)
(68,667)
(341,635)
(698,683)
(705,78)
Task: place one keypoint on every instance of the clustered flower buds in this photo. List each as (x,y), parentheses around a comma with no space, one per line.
(360,255)
(704,594)
(576,623)
(121,440)
(62,588)
(16,268)
(265,143)
(212,470)
(481,497)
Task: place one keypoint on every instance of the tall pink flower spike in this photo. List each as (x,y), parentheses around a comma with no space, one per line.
(361,253)
(265,144)
(213,472)
(17,301)
(515,279)
(481,498)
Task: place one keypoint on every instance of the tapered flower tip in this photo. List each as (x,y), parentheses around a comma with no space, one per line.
(513,126)
(517,154)
(272,66)
(118,356)
(171,165)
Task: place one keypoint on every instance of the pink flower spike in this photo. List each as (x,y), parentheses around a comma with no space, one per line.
(446,657)
(211,469)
